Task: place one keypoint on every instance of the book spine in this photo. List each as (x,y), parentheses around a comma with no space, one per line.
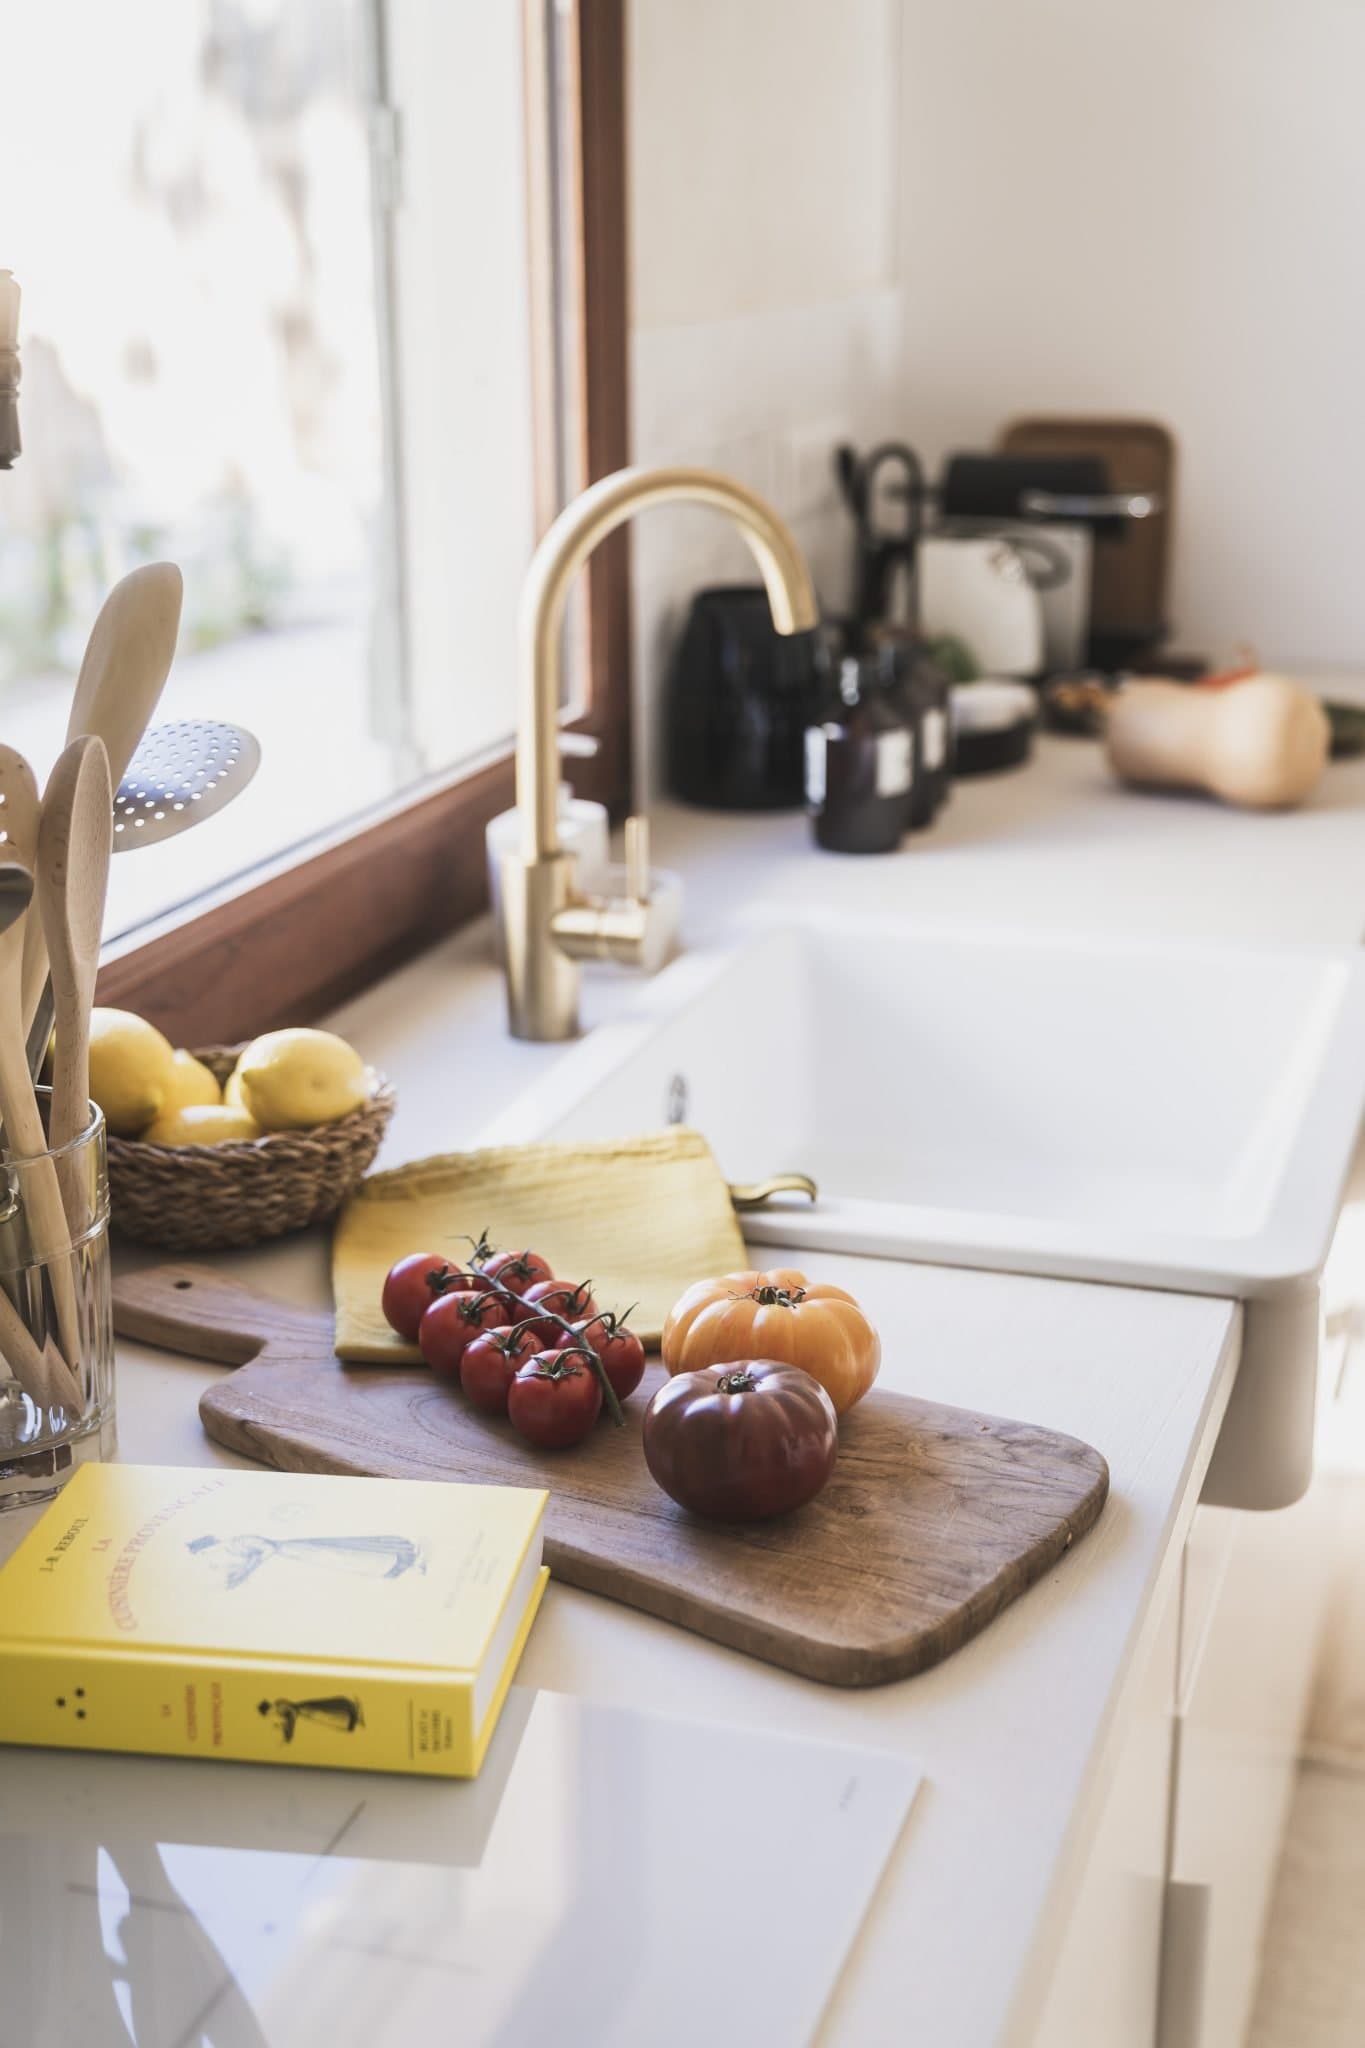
(338,1717)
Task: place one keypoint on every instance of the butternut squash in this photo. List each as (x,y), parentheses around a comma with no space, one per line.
(1262,743)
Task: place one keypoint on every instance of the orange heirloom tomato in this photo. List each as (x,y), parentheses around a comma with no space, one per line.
(778,1315)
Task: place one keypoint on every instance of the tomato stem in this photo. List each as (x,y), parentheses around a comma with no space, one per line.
(740,1381)
(777,1297)
(609,1396)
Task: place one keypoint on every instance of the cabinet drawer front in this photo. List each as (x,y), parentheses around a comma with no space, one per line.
(1249,1636)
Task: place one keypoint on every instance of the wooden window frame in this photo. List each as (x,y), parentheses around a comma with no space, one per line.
(318,929)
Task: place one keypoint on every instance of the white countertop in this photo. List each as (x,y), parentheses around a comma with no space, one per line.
(1013,1733)
(1061,845)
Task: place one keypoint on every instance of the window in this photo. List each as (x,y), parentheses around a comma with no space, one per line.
(277,326)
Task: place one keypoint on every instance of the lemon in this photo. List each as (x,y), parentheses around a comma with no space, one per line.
(191,1085)
(291,1080)
(131,1067)
(201,1123)
(232,1091)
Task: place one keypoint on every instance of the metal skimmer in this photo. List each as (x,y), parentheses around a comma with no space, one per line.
(181,773)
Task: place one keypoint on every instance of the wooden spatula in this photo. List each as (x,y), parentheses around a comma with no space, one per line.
(126,663)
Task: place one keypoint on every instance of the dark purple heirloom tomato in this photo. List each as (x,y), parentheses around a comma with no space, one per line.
(740,1443)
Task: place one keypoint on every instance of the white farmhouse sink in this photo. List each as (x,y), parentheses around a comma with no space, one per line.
(1163,1114)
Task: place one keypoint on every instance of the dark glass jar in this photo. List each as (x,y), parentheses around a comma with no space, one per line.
(926,692)
(739,698)
(860,761)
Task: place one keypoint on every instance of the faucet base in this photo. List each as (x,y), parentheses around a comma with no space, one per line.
(542,981)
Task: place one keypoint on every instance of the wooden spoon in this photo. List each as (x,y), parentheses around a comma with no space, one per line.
(123,673)
(75,835)
(127,661)
(19,815)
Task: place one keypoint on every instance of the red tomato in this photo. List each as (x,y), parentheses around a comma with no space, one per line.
(567,1305)
(491,1362)
(741,1442)
(554,1400)
(452,1323)
(517,1270)
(620,1350)
(410,1289)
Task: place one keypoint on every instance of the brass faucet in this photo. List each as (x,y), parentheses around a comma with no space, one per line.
(550,925)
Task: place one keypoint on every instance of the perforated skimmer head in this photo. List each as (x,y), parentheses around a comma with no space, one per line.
(181,774)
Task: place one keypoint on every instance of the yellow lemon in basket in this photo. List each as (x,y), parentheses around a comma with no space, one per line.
(291,1080)
(232,1091)
(201,1123)
(192,1085)
(131,1066)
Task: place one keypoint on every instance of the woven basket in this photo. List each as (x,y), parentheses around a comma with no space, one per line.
(208,1198)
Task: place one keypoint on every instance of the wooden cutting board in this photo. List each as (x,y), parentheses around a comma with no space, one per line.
(935,1518)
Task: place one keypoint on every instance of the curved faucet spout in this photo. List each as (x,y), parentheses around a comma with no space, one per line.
(563,551)
(549,926)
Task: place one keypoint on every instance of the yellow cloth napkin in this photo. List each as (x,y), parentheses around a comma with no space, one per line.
(642,1218)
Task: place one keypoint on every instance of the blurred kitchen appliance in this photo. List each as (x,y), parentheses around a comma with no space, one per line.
(739,697)
(1055,510)
(1128,585)
(978,589)
(885,493)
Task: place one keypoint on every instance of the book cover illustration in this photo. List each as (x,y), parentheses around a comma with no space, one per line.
(237,1557)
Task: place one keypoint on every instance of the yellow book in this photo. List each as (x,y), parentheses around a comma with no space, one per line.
(270,1617)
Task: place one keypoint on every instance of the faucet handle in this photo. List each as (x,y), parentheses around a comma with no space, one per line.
(637,859)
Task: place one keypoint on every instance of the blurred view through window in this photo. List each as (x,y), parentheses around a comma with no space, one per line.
(202,204)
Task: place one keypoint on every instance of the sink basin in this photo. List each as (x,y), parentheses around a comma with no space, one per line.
(1160,1113)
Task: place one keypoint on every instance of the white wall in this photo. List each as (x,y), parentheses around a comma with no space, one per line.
(1157,206)
(766,311)
(859,217)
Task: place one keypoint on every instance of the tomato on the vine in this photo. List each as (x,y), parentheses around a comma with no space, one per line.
(517,1270)
(491,1363)
(452,1323)
(620,1350)
(555,1399)
(412,1286)
(514,1270)
(564,1303)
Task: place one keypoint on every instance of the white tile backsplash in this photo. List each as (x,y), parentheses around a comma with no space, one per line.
(765,397)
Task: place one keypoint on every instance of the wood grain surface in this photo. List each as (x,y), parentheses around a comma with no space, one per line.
(935,1518)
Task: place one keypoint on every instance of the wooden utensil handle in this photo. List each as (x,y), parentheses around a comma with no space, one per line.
(50,1235)
(43,1375)
(33,972)
(193,1310)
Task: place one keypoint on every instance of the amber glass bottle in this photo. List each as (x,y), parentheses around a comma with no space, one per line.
(860,761)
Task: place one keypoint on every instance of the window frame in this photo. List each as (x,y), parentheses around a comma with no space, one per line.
(323,923)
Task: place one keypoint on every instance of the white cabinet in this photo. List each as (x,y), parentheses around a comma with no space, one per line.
(1105,1986)
(1254,1587)
(1163,1943)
